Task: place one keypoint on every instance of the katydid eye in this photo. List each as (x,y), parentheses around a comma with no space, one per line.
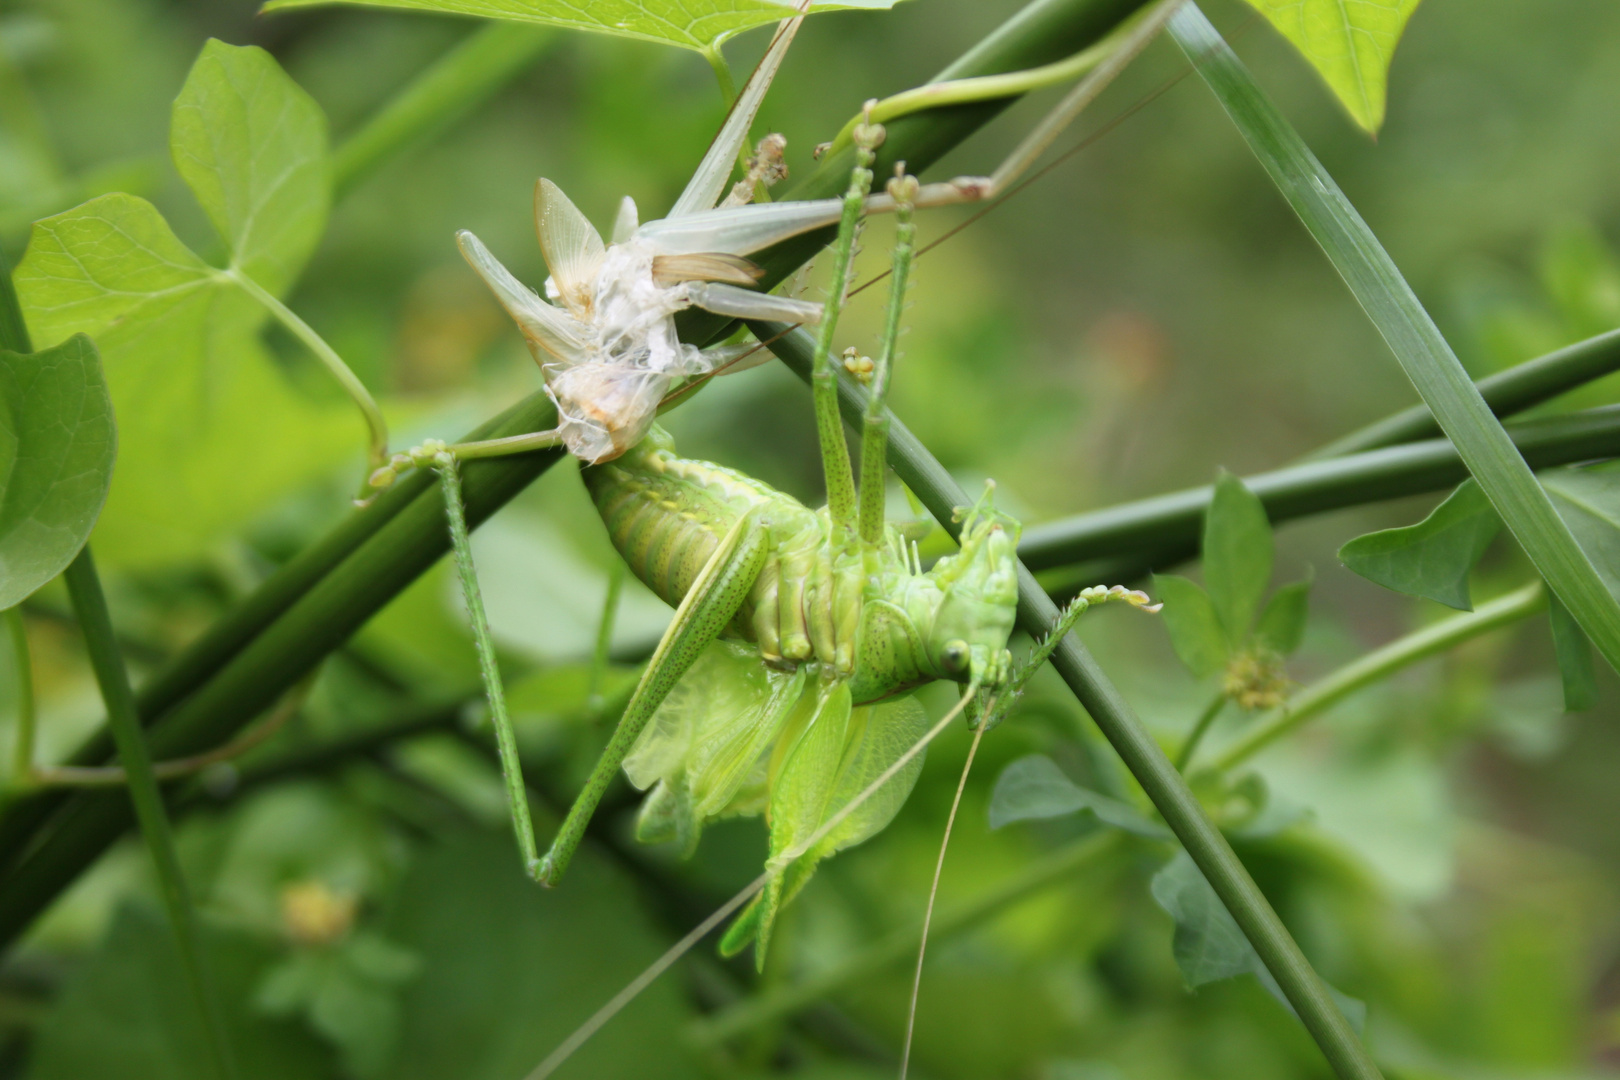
(955,657)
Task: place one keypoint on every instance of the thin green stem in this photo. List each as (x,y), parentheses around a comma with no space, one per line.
(604,636)
(1379,665)
(22,759)
(1141,753)
(376,425)
(875,426)
(722,75)
(505,740)
(1506,392)
(1189,746)
(1042,873)
(1170,524)
(455,84)
(84,586)
(824,380)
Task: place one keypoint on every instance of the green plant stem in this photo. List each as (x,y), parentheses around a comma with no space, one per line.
(901,945)
(1379,665)
(1507,392)
(722,75)
(376,425)
(488,667)
(1176,803)
(22,756)
(84,586)
(455,84)
(1170,524)
(600,656)
(311,605)
(1423,353)
(1189,746)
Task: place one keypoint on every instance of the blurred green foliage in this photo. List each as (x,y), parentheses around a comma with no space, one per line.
(1442,844)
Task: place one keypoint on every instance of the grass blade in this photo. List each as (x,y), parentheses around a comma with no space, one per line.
(1417,343)
(91,605)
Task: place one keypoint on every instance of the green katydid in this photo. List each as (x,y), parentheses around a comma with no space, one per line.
(779,685)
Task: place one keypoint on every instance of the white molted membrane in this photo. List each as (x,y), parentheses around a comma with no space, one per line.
(607,344)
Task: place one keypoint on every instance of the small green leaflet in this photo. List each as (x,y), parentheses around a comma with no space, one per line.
(1589,501)
(1350,43)
(1034,788)
(1208,945)
(1195,629)
(57,442)
(210,430)
(693,24)
(1575,665)
(1282,623)
(1237,554)
(1433,558)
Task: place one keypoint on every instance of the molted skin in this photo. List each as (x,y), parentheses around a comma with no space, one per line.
(869,617)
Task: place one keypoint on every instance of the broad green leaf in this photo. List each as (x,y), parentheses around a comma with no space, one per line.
(1423,353)
(124,1011)
(1349,42)
(252,146)
(1237,555)
(210,431)
(57,442)
(1433,558)
(1282,623)
(692,24)
(1033,788)
(547,957)
(1574,652)
(1195,629)
(1208,946)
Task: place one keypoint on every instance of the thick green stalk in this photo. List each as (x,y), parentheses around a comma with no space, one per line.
(22,753)
(1507,392)
(1171,523)
(84,586)
(455,84)
(1423,353)
(1176,803)
(517,795)
(1379,665)
(1041,873)
(316,621)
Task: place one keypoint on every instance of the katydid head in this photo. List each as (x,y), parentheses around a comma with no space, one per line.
(977,588)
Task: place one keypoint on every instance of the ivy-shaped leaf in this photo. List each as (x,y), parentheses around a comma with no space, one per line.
(1209,946)
(1349,42)
(693,24)
(1433,558)
(210,430)
(57,442)
(1033,788)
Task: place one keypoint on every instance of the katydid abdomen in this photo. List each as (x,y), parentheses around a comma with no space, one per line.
(862,614)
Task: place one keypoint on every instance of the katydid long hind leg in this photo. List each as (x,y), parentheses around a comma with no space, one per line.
(707,608)
(505,739)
